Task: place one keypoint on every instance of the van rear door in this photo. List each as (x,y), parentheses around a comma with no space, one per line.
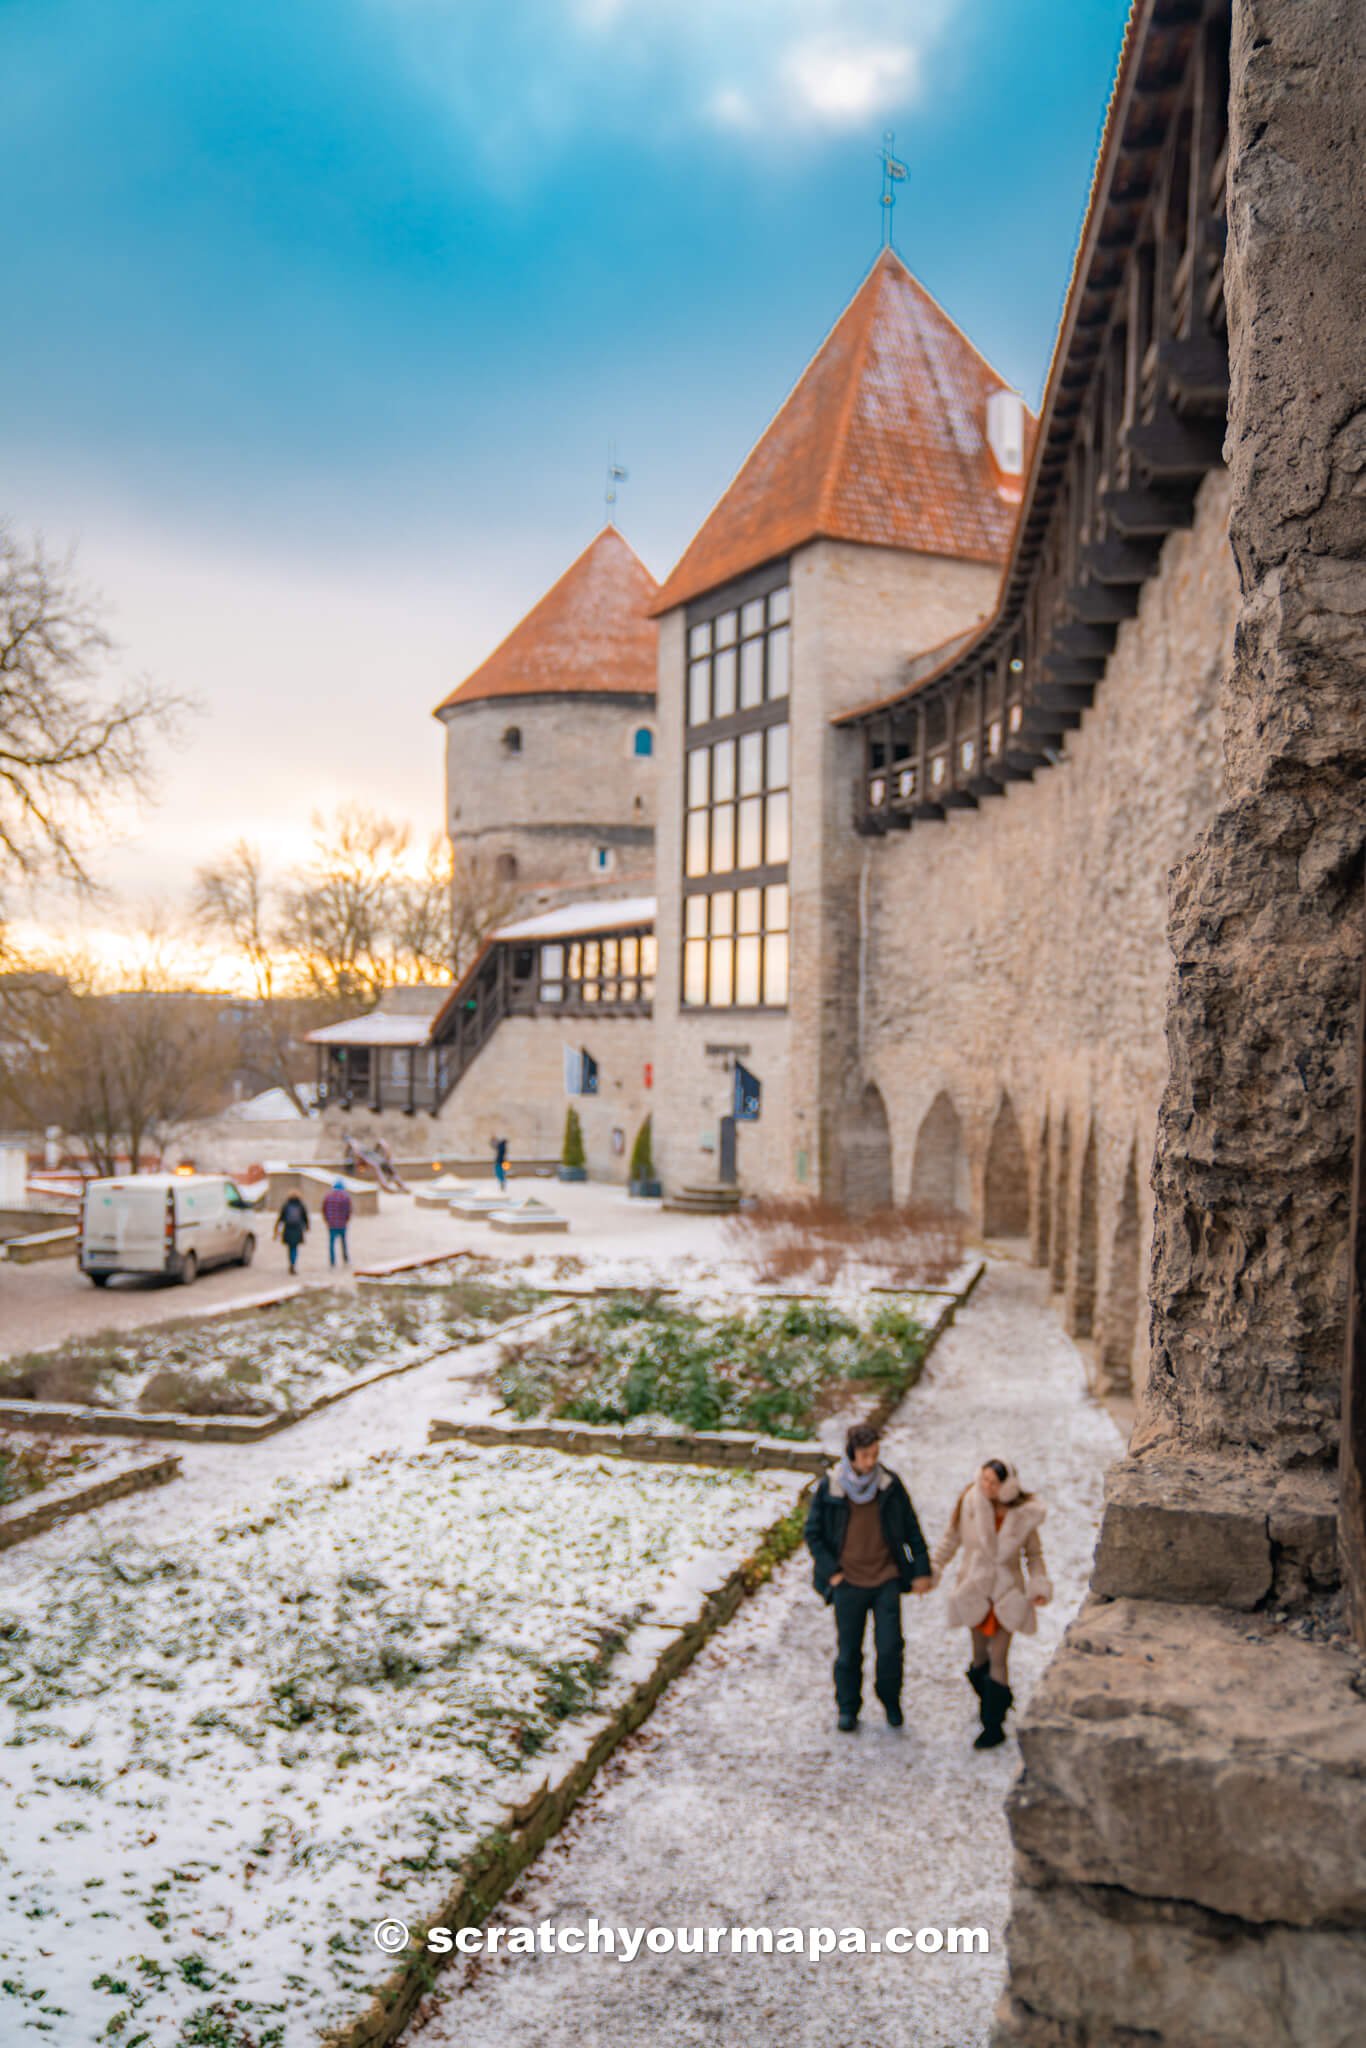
(123,1228)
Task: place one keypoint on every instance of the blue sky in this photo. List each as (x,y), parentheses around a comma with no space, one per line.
(321,315)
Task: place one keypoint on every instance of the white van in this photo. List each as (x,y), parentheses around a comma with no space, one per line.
(172,1223)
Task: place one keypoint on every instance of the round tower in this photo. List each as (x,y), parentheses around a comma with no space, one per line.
(550,743)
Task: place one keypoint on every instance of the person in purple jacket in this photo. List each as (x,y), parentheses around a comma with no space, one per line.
(337,1215)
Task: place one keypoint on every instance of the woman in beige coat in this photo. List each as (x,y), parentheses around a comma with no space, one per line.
(1000,1582)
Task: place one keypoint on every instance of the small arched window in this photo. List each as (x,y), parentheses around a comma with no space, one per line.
(505,867)
(643,742)
(512,740)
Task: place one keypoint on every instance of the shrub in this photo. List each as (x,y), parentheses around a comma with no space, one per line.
(642,1154)
(572,1152)
(795,1238)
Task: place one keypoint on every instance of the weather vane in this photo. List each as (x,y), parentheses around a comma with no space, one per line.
(893,173)
(615,475)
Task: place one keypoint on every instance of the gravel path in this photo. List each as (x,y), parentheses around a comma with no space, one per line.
(739,1805)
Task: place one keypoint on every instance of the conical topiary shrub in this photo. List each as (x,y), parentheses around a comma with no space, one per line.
(642,1171)
(573,1157)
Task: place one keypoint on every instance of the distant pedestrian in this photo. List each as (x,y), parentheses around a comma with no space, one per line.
(500,1161)
(292,1225)
(866,1544)
(1000,1582)
(337,1215)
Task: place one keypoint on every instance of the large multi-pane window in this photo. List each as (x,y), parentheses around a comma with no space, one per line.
(737,830)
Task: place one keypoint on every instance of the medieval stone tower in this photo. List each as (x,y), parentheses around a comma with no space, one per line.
(550,743)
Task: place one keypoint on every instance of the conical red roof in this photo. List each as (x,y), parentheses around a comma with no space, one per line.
(883,441)
(590,635)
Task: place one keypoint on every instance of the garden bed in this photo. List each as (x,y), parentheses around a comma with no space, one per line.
(45,1480)
(266,1362)
(225,1759)
(777,1369)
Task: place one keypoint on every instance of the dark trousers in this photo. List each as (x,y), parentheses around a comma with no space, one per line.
(336,1237)
(853,1605)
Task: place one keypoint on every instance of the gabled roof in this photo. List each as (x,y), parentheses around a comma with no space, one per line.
(621,913)
(590,635)
(883,441)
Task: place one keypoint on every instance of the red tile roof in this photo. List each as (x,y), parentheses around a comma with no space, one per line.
(590,635)
(883,441)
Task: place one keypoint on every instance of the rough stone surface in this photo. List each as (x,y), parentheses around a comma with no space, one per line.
(1189,1753)
(1254,1134)
(1111,1971)
(1176,1530)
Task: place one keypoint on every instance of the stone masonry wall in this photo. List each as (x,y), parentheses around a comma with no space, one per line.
(1018,952)
(515,1089)
(1254,1140)
(575,785)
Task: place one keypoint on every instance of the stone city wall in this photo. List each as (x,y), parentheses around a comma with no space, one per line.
(1010,987)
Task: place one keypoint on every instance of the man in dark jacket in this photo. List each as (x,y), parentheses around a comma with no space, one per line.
(865,1539)
(292,1225)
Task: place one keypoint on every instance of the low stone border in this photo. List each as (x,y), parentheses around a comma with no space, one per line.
(65,1418)
(728,1447)
(76,1496)
(40,1244)
(490,1869)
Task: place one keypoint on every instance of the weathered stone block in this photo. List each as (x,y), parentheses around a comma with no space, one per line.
(1181,1753)
(1185,1530)
(1097,1969)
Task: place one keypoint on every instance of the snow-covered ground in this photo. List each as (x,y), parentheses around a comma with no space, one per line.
(738,1803)
(266,1361)
(228,1752)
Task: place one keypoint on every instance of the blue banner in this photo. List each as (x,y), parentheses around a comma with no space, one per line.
(747,1096)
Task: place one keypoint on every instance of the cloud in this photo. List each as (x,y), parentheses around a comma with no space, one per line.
(547,71)
(845,83)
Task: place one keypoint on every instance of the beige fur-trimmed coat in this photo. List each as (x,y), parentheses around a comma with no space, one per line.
(1001,1568)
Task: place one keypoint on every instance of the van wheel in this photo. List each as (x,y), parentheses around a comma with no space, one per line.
(98,1279)
(248,1249)
(189,1270)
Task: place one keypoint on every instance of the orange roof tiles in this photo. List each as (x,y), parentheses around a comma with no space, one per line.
(590,635)
(883,440)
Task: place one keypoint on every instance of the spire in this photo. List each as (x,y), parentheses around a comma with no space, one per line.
(882,441)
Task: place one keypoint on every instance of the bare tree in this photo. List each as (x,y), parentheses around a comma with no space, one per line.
(442,917)
(339,915)
(68,749)
(233,898)
(120,1070)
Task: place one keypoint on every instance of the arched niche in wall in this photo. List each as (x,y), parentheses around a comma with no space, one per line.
(1123,1293)
(1005,1198)
(1083,1309)
(866,1147)
(1043,1206)
(1061,1207)
(938,1165)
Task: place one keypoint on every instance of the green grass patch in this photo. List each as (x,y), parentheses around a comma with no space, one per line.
(776,1370)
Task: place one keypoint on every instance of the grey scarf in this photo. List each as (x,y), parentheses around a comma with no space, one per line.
(859,1486)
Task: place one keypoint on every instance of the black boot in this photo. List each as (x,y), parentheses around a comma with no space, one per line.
(976,1674)
(997,1701)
